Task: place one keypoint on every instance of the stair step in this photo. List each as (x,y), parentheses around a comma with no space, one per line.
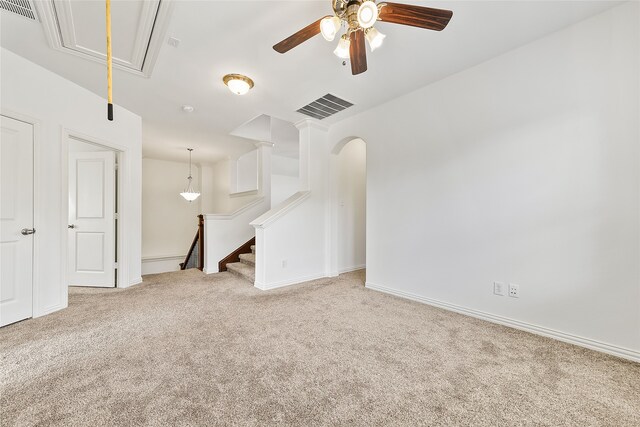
(242,270)
(253,249)
(249,259)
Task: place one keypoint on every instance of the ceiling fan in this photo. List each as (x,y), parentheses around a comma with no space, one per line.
(359,16)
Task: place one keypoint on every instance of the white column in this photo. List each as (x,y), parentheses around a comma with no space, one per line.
(264,170)
(314,177)
(314,155)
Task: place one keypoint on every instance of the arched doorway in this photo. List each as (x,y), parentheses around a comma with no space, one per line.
(349,195)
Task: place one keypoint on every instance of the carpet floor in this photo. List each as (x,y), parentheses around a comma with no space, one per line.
(186,349)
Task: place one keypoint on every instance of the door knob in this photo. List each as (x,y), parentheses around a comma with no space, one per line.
(71,226)
(27,231)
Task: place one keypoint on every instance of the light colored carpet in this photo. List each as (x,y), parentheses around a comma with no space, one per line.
(186,349)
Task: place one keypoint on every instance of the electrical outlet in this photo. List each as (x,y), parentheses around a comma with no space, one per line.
(284,263)
(514,290)
(498,288)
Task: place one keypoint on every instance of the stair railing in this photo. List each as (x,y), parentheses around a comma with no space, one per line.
(195,256)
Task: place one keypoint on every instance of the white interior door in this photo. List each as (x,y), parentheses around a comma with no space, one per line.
(16,221)
(91,219)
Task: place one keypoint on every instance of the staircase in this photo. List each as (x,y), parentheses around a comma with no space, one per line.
(246,268)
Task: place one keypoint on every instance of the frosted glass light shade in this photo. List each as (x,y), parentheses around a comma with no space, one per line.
(367,14)
(375,38)
(190,195)
(237,83)
(329,27)
(238,87)
(342,51)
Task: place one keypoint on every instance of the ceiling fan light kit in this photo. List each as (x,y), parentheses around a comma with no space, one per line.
(329,27)
(342,50)
(374,38)
(237,83)
(367,14)
(359,17)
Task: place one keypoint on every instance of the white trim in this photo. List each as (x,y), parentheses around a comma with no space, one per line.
(312,123)
(266,219)
(162,258)
(161,264)
(622,352)
(353,268)
(36,310)
(154,25)
(244,193)
(211,217)
(288,282)
(136,281)
(259,144)
(124,177)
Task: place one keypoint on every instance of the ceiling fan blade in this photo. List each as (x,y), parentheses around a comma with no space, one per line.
(357,53)
(416,16)
(300,37)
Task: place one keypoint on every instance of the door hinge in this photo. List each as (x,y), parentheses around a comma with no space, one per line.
(116,215)
(115,166)
(115,264)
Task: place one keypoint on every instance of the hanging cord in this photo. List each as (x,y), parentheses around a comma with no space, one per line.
(109,66)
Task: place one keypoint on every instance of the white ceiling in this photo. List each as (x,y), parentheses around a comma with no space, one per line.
(220,37)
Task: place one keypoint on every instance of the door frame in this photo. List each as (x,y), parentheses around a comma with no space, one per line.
(37,221)
(123,190)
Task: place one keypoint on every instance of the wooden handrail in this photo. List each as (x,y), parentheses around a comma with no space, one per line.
(200,242)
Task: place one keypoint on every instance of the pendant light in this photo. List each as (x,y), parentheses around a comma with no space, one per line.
(190,194)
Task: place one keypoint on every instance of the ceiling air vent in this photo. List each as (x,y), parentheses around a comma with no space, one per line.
(23,8)
(324,107)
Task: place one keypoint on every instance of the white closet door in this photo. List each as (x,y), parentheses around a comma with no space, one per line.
(91,219)
(16,221)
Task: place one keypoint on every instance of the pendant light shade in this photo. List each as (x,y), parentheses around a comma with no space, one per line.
(190,194)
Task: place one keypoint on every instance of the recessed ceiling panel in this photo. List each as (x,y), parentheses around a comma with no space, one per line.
(79,27)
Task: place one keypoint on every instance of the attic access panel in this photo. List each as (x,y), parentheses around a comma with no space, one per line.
(78,27)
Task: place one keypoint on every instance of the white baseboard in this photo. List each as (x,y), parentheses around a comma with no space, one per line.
(135,281)
(49,310)
(288,282)
(161,264)
(622,352)
(350,269)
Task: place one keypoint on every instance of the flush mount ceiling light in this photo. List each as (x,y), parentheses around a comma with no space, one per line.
(188,108)
(190,194)
(237,83)
(359,17)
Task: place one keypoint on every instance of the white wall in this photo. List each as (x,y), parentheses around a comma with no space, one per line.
(169,222)
(283,187)
(244,173)
(285,180)
(523,169)
(292,239)
(32,93)
(351,200)
(221,201)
